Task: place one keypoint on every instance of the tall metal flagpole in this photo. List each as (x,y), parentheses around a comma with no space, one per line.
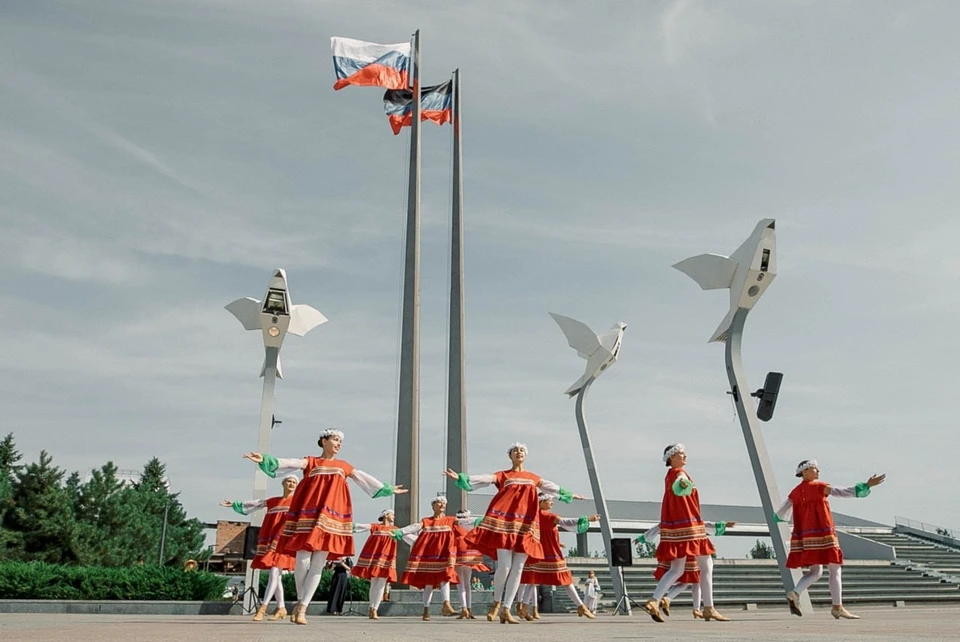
(407,506)
(456,402)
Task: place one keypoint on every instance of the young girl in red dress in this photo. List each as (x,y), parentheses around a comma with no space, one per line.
(551,569)
(468,561)
(320,520)
(510,529)
(267,556)
(378,559)
(682,534)
(814,540)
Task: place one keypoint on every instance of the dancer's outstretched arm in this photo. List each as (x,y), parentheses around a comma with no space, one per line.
(244,508)
(373,486)
(470,483)
(273,466)
(562,494)
(859,490)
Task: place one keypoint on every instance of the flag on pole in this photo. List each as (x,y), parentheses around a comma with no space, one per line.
(370,64)
(436,104)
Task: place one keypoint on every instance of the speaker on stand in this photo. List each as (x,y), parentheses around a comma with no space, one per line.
(621,555)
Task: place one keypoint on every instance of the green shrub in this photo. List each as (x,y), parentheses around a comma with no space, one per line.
(40,581)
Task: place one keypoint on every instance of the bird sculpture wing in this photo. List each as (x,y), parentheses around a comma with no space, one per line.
(303,319)
(580,337)
(247,311)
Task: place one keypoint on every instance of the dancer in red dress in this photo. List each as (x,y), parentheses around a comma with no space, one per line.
(433,556)
(510,529)
(690,579)
(267,556)
(814,540)
(682,534)
(320,520)
(378,559)
(468,561)
(551,569)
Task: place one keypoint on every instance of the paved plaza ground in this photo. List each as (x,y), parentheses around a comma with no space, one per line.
(909,623)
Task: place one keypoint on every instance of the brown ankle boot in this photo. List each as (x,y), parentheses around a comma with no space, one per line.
(446,609)
(492,613)
(653,608)
(506,617)
(372,614)
(300,616)
(426,614)
(665,606)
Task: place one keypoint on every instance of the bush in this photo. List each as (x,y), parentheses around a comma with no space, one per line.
(359,587)
(40,581)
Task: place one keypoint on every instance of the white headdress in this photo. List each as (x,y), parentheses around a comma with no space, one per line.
(441,498)
(805,464)
(542,496)
(518,446)
(385,512)
(332,432)
(671,451)
(464,513)
(293,477)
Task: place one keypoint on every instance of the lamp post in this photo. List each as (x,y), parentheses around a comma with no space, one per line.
(600,352)
(748,273)
(275,316)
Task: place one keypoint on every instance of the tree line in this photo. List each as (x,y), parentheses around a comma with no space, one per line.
(49,516)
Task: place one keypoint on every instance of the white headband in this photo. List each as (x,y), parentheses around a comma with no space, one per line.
(385,512)
(439,499)
(804,465)
(673,450)
(293,477)
(464,513)
(517,446)
(542,496)
(330,432)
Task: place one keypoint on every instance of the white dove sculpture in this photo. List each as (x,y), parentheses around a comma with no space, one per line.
(600,351)
(275,315)
(747,272)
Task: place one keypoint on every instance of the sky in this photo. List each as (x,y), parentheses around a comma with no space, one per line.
(159,158)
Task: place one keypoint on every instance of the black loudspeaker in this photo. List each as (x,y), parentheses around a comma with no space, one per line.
(250,537)
(768,396)
(620,552)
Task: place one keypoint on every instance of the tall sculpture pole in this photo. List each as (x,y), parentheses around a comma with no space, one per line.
(407,506)
(747,273)
(275,316)
(600,352)
(456,402)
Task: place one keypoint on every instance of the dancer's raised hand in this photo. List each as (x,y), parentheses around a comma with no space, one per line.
(254,457)
(876,480)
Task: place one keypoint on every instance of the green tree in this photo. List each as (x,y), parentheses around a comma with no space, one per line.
(762,551)
(42,514)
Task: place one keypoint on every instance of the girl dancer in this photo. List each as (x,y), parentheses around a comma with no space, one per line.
(551,569)
(320,520)
(378,559)
(814,540)
(433,556)
(682,533)
(268,557)
(510,530)
(691,571)
(468,561)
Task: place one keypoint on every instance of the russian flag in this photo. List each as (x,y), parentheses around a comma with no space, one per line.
(370,64)
(436,104)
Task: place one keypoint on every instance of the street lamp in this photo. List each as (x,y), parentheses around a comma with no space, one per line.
(748,273)
(275,316)
(601,352)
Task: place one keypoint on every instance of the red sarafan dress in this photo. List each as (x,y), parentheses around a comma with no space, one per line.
(551,569)
(814,538)
(434,554)
(682,531)
(321,512)
(379,555)
(467,556)
(268,553)
(512,520)
(691,571)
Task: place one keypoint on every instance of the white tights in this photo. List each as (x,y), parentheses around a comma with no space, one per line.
(428,593)
(274,587)
(377,584)
(506,580)
(465,575)
(705,562)
(307,572)
(815,573)
(677,589)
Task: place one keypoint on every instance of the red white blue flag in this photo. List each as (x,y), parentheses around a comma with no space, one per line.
(370,64)
(436,104)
